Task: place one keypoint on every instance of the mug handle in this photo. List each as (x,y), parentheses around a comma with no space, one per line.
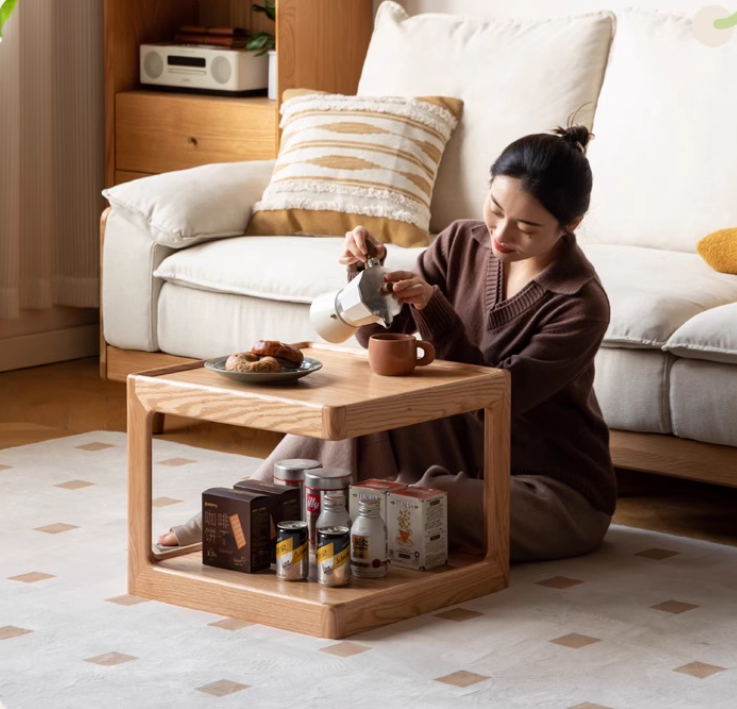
(429,355)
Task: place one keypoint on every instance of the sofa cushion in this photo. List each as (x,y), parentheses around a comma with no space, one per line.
(195,323)
(711,335)
(703,401)
(652,292)
(185,207)
(664,175)
(632,389)
(514,77)
(349,160)
(291,269)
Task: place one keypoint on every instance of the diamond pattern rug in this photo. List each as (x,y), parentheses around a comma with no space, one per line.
(647,622)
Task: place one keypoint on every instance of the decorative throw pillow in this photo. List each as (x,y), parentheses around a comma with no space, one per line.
(346,161)
(719,250)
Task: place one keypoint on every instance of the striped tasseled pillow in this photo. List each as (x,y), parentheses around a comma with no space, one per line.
(346,161)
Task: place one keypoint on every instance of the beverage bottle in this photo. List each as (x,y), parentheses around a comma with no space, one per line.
(333,513)
(369,541)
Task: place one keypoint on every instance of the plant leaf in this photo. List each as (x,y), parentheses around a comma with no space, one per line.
(268,8)
(6,10)
(257,41)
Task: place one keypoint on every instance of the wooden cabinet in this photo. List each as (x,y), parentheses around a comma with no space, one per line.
(320,44)
(160,132)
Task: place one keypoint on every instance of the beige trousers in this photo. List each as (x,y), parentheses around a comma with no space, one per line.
(548,520)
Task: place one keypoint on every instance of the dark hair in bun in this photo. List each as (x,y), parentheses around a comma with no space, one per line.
(553,168)
(578,136)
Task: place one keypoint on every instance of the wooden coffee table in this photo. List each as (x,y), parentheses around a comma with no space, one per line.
(342,400)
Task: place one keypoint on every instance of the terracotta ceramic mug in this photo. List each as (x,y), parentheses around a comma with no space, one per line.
(393,355)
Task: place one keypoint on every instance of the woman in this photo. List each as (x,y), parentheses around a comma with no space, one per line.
(513,291)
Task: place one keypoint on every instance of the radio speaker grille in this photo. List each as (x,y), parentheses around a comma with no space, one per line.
(153,65)
(221,70)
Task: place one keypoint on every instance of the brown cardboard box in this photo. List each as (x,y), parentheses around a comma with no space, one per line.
(286,504)
(235,530)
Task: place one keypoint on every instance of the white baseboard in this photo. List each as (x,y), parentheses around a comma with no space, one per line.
(48,347)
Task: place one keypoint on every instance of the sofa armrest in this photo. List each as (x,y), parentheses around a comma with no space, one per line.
(179,209)
(130,293)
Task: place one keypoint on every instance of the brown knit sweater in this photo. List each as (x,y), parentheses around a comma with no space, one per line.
(546,336)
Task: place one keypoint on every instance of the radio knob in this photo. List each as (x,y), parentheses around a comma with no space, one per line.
(153,65)
(221,70)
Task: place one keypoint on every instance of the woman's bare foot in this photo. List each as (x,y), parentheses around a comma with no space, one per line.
(168,540)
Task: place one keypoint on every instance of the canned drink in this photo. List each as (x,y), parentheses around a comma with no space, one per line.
(292,559)
(333,555)
(291,473)
(318,482)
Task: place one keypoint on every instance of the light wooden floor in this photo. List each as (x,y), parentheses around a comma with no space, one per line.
(67,398)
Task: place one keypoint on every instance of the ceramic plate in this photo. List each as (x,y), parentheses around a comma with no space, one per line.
(307,367)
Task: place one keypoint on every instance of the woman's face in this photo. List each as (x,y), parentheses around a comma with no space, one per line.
(520,227)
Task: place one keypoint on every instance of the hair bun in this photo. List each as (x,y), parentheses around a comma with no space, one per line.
(578,136)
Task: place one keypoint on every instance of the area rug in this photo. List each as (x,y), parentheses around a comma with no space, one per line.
(647,622)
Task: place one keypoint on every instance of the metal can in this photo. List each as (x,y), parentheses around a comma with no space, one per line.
(291,473)
(292,558)
(317,482)
(333,556)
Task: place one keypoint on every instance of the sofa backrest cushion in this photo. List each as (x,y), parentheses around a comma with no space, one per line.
(539,8)
(514,77)
(664,162)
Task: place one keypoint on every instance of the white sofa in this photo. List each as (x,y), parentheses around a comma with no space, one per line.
(179,278)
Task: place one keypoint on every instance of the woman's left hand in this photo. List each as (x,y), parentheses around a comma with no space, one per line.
(409,288)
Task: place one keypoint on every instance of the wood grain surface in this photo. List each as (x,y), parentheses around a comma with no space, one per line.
(159,132)
(343,399)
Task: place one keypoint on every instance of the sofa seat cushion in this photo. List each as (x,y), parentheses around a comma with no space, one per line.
(703,401)
(632,387)
(203,324)
(289,269)
(653,292)
(711,335)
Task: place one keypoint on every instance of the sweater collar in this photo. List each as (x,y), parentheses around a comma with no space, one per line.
(570,271)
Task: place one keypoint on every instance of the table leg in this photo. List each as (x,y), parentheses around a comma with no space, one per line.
(140,426)
(158,424)
(496,481)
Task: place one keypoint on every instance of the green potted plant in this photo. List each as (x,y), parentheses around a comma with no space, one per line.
(6,10)
(264,42)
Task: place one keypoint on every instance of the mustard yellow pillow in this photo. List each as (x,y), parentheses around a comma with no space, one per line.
(719,250)
(350,160)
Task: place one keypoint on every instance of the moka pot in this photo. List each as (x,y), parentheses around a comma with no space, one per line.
(365,300)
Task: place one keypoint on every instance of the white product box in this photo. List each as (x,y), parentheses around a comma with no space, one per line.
(417,525)
(372,488)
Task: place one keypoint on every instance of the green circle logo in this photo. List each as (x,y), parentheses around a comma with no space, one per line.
(713,25)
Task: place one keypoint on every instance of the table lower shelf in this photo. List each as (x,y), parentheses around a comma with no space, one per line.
(310,608)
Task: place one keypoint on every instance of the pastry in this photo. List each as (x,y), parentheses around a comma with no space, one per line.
(240,362)
(249,362)
(272,348)
(266,365)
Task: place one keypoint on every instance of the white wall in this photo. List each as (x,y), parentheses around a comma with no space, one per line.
(544,8)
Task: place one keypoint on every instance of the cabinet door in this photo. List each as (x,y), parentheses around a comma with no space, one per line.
(159,132)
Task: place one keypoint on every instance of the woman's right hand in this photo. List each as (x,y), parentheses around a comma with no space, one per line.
(354,247)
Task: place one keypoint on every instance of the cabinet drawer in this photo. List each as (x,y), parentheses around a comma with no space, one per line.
(158,132)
